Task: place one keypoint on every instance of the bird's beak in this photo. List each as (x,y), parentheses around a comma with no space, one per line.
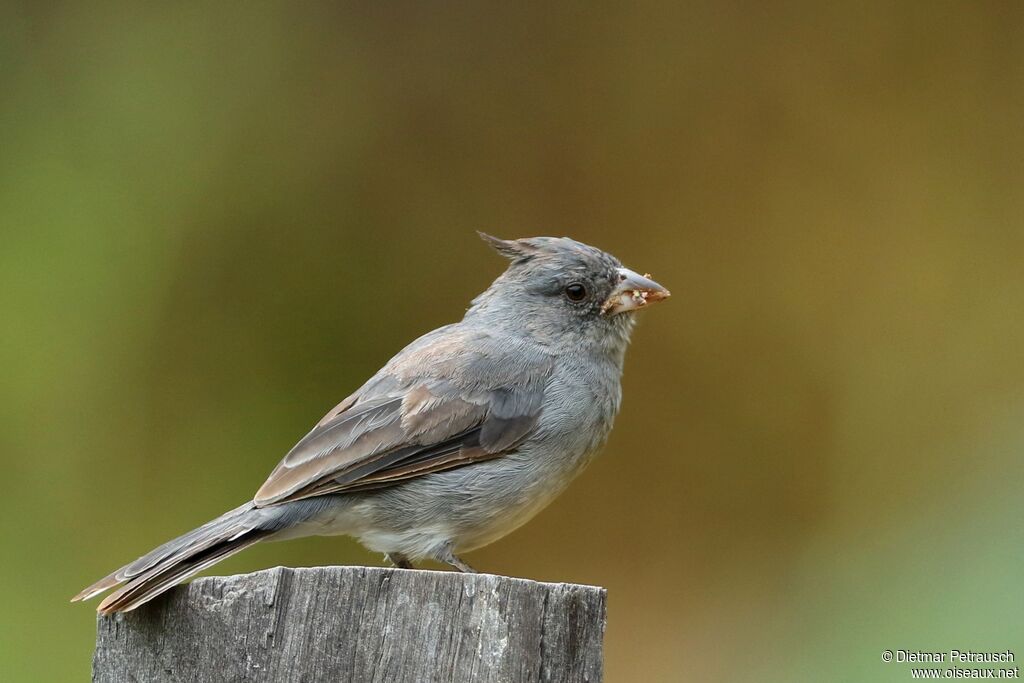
(633,291)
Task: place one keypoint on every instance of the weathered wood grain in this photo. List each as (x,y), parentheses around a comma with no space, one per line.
(358,624)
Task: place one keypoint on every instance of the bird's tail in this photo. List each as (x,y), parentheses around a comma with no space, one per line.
(177,560)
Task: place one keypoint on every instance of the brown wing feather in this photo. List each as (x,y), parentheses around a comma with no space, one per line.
(449,399)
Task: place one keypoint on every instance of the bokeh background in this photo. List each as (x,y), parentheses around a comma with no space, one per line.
(219,219)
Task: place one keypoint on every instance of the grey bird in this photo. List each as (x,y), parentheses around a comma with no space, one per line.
(459,439)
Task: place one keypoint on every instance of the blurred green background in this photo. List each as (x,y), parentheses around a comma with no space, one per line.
(219,220)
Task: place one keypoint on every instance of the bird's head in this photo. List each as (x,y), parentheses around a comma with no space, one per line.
(556,285)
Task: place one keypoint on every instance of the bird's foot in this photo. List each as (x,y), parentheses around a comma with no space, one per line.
(400,560)
(446,555)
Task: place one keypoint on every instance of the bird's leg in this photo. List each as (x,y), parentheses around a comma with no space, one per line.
(446,555)
(400,560)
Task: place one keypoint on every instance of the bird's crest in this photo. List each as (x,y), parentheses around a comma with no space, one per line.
(527,248)
(514,250)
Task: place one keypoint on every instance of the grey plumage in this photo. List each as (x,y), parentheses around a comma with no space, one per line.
(462,437)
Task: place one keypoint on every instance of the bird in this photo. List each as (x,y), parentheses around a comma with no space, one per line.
(462,437)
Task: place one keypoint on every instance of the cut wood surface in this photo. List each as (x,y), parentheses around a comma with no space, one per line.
(358,624)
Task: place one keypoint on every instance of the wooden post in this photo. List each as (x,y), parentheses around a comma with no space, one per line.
(358,624)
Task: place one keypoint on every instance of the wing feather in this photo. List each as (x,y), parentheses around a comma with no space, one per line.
(451,398)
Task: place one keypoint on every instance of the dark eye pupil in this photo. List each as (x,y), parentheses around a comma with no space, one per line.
(575,291)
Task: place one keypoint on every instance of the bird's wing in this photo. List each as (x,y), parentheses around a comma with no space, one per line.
(452,397)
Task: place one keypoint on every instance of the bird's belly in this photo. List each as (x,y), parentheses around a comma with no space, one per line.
(469,507)
(507,492)
(487,526)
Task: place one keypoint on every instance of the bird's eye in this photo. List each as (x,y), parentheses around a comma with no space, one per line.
(575,292)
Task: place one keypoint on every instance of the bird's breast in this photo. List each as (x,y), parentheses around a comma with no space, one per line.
(580,405)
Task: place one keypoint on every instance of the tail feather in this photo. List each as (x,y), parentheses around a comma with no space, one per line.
(178,559)
(182,557)
(144,588)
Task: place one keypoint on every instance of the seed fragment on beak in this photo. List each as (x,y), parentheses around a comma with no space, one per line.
(633,291)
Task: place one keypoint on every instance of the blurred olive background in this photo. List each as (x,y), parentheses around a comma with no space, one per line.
(219,220)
